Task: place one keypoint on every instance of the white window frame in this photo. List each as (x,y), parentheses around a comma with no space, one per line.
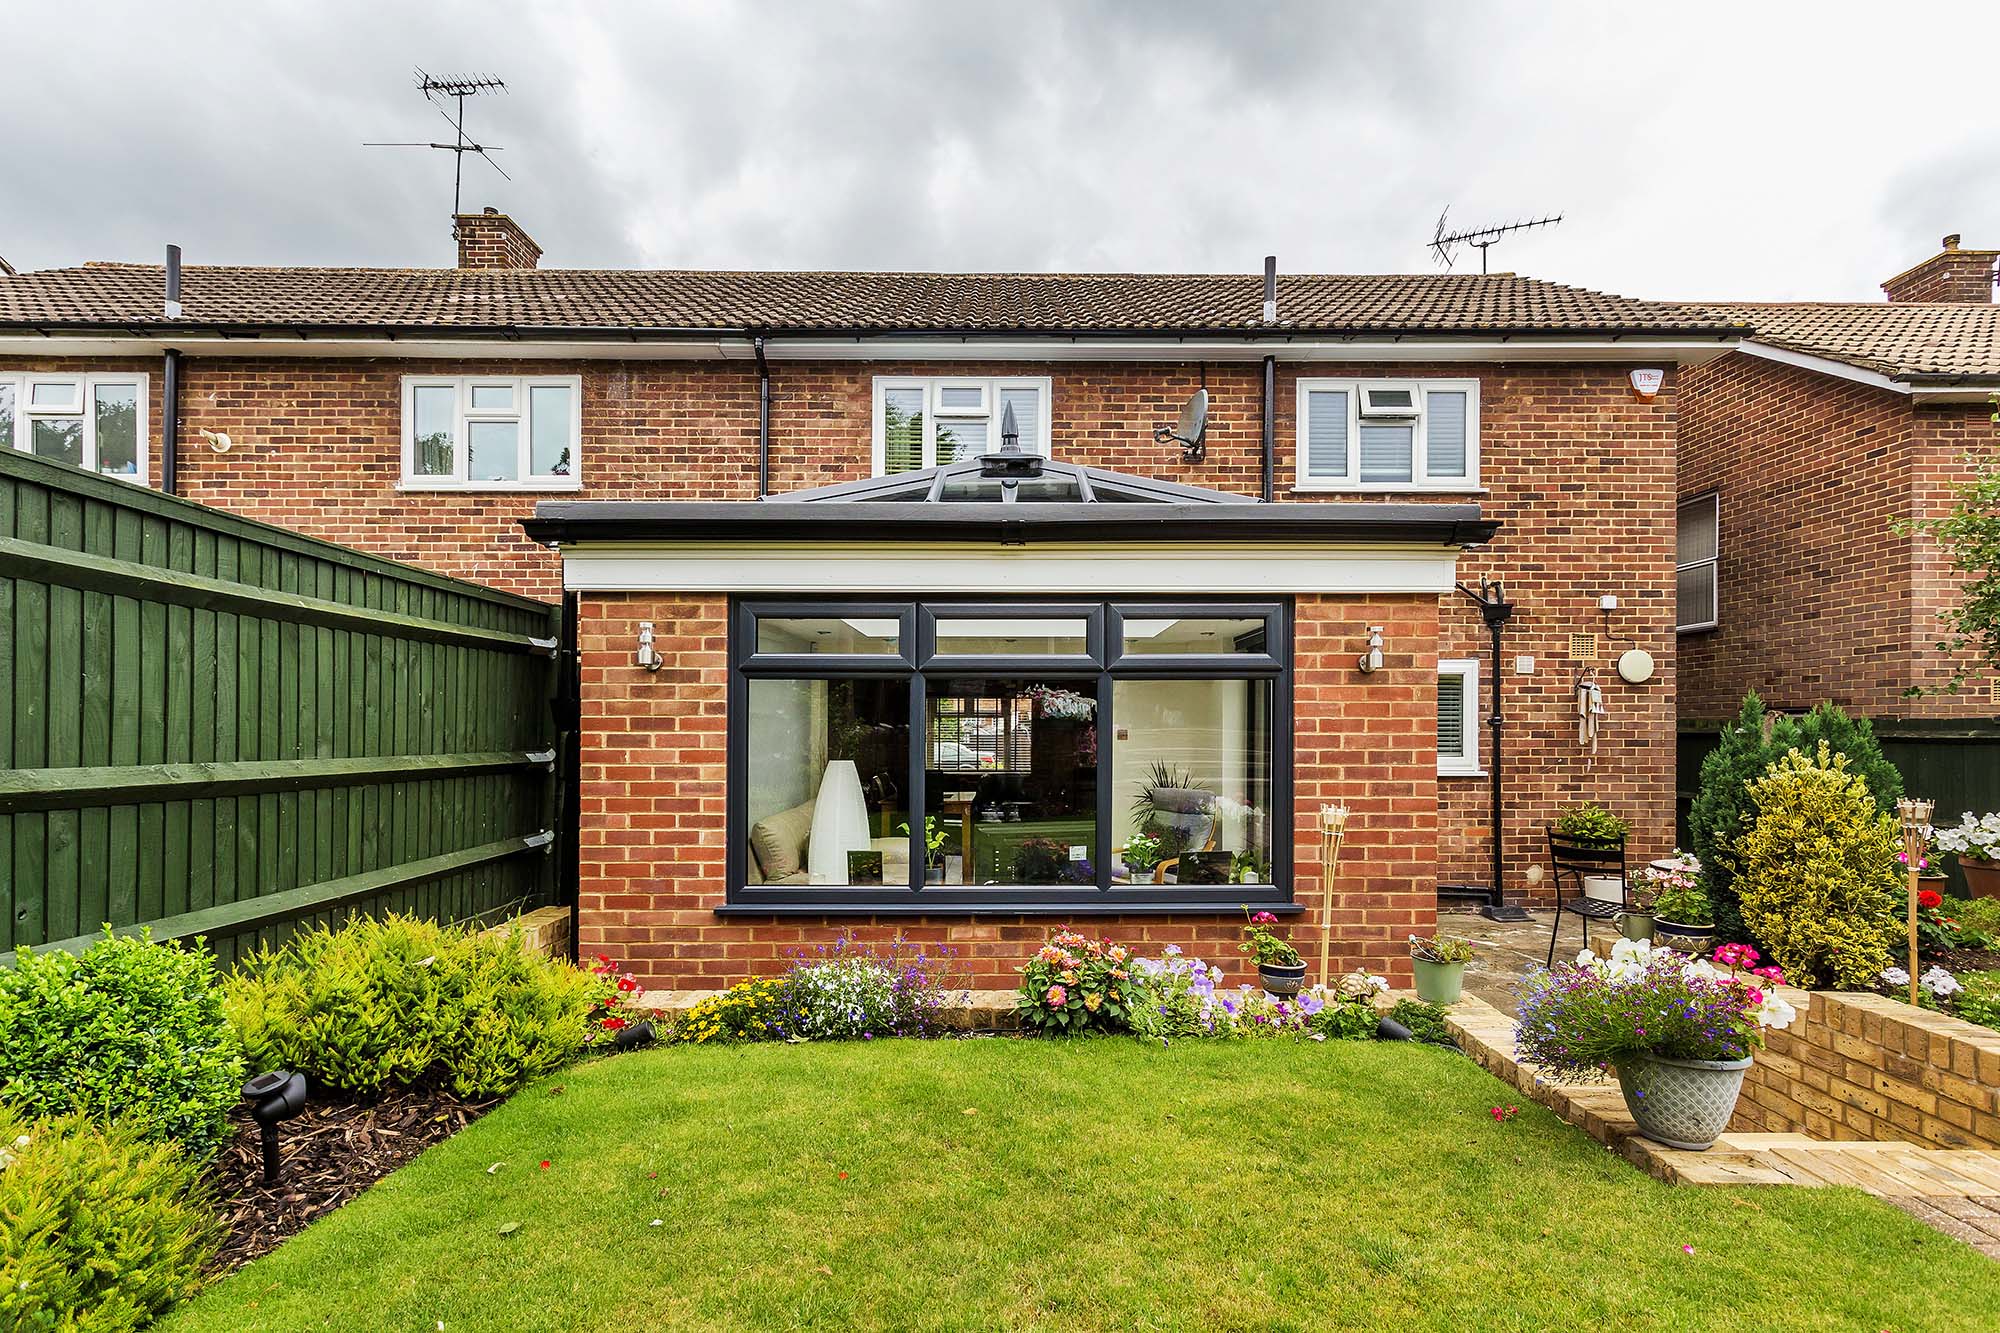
(1420,479)
(83,407)
(1465,764)
(464,413)
(1714,501)
(932,387)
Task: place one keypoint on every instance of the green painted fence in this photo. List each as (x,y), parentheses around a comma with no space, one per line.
(215,727)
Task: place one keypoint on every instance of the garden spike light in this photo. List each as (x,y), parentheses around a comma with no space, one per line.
(274,1096)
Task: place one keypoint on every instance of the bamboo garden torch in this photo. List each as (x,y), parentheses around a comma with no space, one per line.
(1916,819)
(1332,827)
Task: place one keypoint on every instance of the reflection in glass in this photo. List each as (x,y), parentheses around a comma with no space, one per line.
(493,450)
(493,398)
(828,764)
(1010,780)
(434,406)
(117,407)
(549,431)
(57,438)
(1191,781)
(996,636)
(1192,635)
(902,430)
(832,634)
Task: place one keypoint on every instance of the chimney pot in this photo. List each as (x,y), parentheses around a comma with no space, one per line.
(489,239)
(1950,242)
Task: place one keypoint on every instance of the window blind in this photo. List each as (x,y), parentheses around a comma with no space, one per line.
(1326,433)
(1451,717)
(1387,452)
(1444,433)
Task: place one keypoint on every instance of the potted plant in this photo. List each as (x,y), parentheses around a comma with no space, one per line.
(934,837)
(1439,963)
(1142,852)
(1588,824)
(1279,966)
(1976,844)
(1636,921)
(1678,1032)
(1174,808)
(1683,916)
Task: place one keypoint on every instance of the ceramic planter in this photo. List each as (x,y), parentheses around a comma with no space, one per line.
(1982,878)
(1280,979)
(1636,925)
(1681,1103)
(1682,937)
(1438,983)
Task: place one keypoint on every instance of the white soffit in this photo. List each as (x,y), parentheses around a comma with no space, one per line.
(1093,568)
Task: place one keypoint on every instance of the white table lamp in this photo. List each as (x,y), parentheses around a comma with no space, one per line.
(840,823)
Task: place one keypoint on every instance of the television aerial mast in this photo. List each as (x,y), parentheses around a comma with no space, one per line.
(1484,238)
(437,90)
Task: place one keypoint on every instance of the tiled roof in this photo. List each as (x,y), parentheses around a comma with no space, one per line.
(570,299)
(1899,341)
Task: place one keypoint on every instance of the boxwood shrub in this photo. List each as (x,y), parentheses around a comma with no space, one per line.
(101,1228)
(128,1031)
(395,1001)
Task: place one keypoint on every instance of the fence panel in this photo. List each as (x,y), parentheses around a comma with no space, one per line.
(214,726)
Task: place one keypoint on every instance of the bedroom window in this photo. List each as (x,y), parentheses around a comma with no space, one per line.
(492,433)
(1388,435)
(926,422)
(97,422)
(1046,762)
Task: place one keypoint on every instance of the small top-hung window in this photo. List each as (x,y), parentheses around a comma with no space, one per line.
(1386,400)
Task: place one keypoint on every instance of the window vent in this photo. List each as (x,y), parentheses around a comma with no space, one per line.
(1583,647)
(1394,402)
(1993,690)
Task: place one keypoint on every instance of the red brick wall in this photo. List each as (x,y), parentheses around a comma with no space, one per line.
(1956,276)
(1820,597)
(653,805)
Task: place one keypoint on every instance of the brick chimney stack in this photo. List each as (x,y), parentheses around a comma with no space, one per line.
(1961,276)
(491,239)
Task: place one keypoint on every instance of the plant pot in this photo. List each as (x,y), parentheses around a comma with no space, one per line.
(1683,937)
(1982,878)
(624,1039)
(1439,983)
(1636,925)
(1282,979)
(1604,888)
(1681,1103)
(933,874)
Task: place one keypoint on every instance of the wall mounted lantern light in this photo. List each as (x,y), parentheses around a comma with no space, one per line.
(1371,661)
(648,656)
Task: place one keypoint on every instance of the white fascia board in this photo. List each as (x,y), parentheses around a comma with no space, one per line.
(1094,568)
(1823,365)
(1627,351)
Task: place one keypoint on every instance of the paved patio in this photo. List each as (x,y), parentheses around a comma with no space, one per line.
(1505,949)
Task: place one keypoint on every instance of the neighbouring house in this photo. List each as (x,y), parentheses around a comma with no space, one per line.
(1799,454)
(863,562)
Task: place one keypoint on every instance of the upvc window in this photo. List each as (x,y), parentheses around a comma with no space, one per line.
(925,422)
(96,422)
(1458,717)
(492,432)
(1697,548)
(1388,435)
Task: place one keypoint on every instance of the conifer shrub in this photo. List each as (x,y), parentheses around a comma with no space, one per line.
(101,1228)
(1819,883)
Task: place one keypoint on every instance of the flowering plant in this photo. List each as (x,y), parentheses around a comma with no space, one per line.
(1142,852)
(1583,1017)
(1181,997)
(1975,836)
(1440,949)
(846,991)
(617,1008)
(747,1011)
(1076,984)
(1263,944)
(1060,703)
(1676,874)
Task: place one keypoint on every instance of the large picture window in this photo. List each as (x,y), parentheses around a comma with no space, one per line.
(997,756)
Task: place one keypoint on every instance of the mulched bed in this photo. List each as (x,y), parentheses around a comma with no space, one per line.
(329,1154)
(1968,960)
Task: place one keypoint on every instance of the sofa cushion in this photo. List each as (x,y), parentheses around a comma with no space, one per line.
(779,841)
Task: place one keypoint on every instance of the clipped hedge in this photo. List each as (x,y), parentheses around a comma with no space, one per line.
(394,1001)
(127,1031)
(101,1228)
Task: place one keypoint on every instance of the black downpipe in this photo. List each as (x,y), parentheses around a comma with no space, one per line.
(170,423)
(763,421)
(1270,422)
(1496,610)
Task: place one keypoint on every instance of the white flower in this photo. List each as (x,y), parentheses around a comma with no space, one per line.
(1774,1012)
(1895,976)
(1939,982)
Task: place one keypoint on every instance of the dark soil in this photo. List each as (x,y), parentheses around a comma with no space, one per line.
(327,1155)
(1966,960)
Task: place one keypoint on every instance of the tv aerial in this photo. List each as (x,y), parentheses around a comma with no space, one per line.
(1191,431)
(435,91)
(1484,238)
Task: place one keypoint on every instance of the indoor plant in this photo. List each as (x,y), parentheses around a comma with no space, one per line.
(1143,852)
(1678,1032)
(1588,824)
(1976,844)
(1439,963)
(934,839)
(1279,966)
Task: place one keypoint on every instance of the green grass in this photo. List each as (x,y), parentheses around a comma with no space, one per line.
(1092,1185)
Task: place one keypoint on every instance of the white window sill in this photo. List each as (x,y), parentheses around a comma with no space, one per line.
(1444,772)
(486,487)
(1388,488)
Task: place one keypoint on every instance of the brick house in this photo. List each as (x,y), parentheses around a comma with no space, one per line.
(1798,454)
(808,611)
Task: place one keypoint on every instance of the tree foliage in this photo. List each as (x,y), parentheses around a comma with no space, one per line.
(1970,534)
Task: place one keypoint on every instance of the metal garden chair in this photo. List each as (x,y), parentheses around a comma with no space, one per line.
(1572,859)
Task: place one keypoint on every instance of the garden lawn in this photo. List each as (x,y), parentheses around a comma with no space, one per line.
(1084,1185)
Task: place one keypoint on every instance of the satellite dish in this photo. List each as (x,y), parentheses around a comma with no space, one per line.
(1191,431)
(1635,666)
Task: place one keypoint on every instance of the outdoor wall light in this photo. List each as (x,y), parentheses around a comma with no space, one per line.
(1371,661)
(648,656)
(273,1097)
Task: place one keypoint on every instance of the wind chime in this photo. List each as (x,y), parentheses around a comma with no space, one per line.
(1333,828)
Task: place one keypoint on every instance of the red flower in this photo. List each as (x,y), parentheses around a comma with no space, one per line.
(545,1164)
(627,984)
(614,1022)
(1929,898)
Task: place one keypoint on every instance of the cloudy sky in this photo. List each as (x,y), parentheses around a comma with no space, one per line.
(1696,150)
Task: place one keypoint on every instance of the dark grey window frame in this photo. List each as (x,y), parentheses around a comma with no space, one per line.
(1105,664)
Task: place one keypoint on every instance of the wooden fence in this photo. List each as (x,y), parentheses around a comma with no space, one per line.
(215,727)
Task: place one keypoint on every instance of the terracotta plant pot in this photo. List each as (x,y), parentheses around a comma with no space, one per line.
(1282,980)
(1438,983)
(1982,878)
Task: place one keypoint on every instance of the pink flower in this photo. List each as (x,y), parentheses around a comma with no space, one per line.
(1753,995)
(1056,996)
(1263,919)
